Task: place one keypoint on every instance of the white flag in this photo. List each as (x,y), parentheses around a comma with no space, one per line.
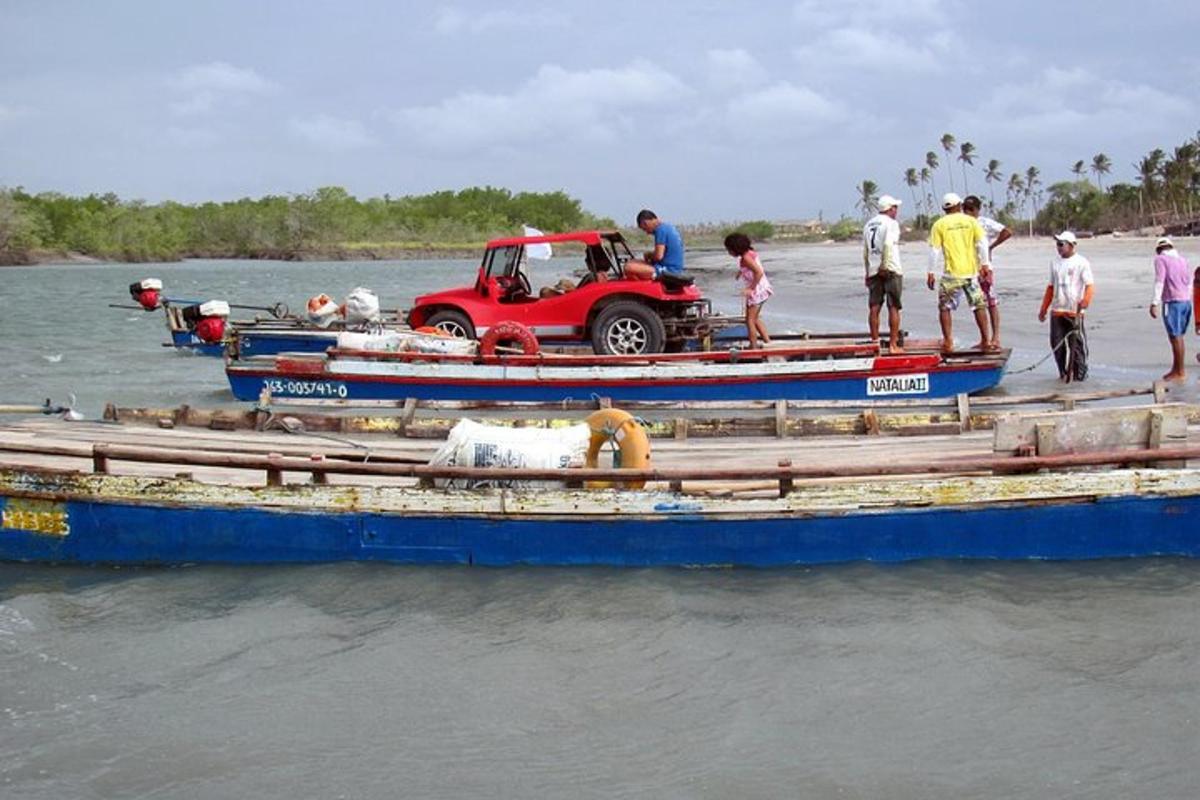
(540,251)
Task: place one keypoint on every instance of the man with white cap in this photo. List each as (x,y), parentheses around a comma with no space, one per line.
(884,278)
(1173,290)
(959,247)
(1067,296)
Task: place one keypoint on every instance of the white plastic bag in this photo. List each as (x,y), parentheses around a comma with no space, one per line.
(406,342)
(471,444)
(361,306)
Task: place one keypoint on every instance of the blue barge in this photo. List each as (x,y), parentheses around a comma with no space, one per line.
(62,516)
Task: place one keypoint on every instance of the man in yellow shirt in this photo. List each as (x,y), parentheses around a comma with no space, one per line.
(959,247)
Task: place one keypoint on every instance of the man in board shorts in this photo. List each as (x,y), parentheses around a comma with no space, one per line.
(1173,291)
(957,245)
(997,234)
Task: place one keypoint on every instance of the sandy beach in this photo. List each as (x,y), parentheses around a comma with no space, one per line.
(819,287)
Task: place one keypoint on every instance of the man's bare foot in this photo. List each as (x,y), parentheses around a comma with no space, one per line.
(995,344)
(947,346)
(985,346)
(1175,376)
(895,349)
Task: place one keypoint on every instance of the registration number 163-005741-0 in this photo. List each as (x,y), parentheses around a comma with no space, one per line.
(283,387)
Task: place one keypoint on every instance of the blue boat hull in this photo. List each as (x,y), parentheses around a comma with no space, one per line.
(186,340)
(270,343)
(126,533)
(260,343)
(247,384)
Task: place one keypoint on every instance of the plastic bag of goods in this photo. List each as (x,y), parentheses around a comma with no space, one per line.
(322,311)
(361,306)
(406,342)
(471,444)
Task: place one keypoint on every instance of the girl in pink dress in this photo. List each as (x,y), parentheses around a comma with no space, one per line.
(755,286)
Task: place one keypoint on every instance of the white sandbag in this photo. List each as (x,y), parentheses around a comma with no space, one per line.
(384,342)
(406,342)
(471,444)
(445,345)
(361,306)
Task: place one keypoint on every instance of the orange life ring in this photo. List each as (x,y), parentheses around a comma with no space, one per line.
(509,331)
(633,445)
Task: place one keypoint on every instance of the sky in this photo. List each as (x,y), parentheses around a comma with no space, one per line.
(700,110)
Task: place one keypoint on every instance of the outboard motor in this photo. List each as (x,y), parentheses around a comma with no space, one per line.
(207,320)
(146,292)
(361,306)
(322,311)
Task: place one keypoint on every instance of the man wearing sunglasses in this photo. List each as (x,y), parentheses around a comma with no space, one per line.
(1067,296)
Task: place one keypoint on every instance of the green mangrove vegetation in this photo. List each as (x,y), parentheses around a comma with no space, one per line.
(326,223)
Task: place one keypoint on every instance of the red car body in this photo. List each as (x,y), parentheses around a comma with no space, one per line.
(615,313)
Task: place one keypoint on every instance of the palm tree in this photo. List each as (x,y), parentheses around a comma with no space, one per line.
(931,161)
(992,175)
(1080,169)
(1101,165)
(912,179)
(966,154)
(926,175)
(1016,189)
(867,197)
(948,146)
(1031,193)
(1147,170)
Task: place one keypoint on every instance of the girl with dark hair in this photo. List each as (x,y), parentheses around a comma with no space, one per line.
(755,286)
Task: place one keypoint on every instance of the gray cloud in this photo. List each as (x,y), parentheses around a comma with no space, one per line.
(702,109)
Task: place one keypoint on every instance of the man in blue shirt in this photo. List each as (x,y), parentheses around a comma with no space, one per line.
(668,249)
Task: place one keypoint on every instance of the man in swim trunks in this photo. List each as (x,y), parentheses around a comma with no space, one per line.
(1173,293)
(958,246)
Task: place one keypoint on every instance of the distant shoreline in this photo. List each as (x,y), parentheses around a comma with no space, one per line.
(436,252)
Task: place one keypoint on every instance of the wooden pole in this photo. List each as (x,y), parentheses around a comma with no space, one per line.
(1004,464)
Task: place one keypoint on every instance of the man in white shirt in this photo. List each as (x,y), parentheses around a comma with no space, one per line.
(881,261)
(1068,293)
(997,234)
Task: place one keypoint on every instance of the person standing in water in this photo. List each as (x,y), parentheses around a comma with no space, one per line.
(884,278)
(1173,293)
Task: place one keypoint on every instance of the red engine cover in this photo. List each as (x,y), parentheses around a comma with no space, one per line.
(148,299)
(210,330)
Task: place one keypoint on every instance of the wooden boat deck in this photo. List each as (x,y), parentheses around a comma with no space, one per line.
(50,443)
(68,446)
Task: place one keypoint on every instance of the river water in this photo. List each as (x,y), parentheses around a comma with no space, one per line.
(930,680)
